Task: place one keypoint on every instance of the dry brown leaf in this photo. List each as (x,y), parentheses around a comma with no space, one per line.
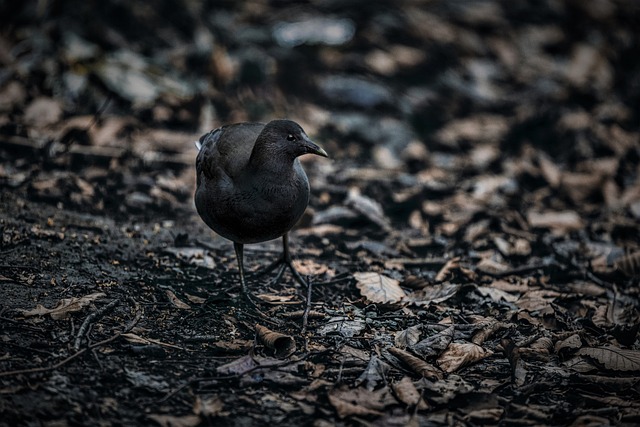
(435,344)
(555,220)
(408,394)
(458,355)
(514,246)
(308,267)
(407,337)
(368,208)
(65,307)
(238,366)
(572,342)
(175,421)
(360,401)
(549,169)
(447,269)
(374,374)
(612,358)
(279,299)
(211,406)
(177,302)
(629,264)
(282,345)
(537,299)
(496,294)
(416,364)
(378,288)
(433,294)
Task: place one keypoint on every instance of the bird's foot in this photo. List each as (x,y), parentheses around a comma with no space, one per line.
(281,265)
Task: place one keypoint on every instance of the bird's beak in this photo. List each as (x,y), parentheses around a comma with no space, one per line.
(313,148)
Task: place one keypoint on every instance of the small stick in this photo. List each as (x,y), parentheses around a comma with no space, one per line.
(305,316)
(90,318)
(62,362)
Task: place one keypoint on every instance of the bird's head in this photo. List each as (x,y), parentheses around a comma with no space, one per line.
(286,137)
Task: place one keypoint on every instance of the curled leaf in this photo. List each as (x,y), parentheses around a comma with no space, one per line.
(282,345)
(416,364)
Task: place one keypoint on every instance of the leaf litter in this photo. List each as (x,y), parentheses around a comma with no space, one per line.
(472,246)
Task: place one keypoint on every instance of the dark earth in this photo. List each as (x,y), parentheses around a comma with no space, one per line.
(472,245)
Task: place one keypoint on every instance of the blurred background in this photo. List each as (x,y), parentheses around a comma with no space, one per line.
(117,91)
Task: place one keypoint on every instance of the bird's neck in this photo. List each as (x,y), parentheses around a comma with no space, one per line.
(267,162)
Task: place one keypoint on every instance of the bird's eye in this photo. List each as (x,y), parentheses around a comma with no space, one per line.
(291,137)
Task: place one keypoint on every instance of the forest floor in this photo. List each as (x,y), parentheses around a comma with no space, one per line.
(472,244)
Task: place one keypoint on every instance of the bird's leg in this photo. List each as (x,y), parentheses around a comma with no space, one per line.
(282,263)
(287,261)
(239,247)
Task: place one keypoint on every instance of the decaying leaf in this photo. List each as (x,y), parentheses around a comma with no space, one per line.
(612,358)
(570,343)
(360,401)
(177,302)
(458,355)
(175,421)
(282,345)
(211,406)
(561,221)
(408,394)
(374,374)
(308,267)
(433,294)
(416,364)
(447,269)
(343,325)
(379,288)
(368,208)
(407,337)
(65,307)
(435,344)
(629,264)
(238,366)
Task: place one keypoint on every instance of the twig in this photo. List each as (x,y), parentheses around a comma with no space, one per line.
(74,355)
(90,318)
(62,362)
(194,380)
(305,316)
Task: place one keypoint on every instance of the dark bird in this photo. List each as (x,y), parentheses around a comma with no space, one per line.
(251,186)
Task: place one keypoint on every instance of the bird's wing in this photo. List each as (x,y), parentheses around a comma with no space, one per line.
(227,149)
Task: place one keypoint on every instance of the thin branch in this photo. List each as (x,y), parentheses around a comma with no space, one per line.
(90,318)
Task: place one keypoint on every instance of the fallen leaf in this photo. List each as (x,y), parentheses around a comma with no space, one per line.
(458,355)
(360,401)
(612,358)
(308,267)
(435,344)
(65,307)
(408,394)
(407,337)
(558,220)
(433,294)
(416,364)
(177,302)
(342,325)
(374,374)
(378,288)
(211,406)
(174,421)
